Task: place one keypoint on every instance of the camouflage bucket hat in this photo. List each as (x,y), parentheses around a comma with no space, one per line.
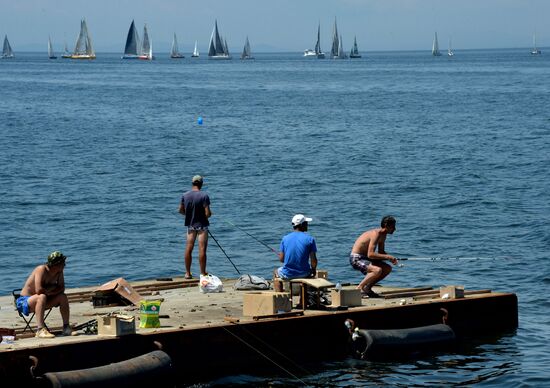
(56,257)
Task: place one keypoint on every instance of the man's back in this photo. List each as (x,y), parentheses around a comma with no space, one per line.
(195,202)
(297,247)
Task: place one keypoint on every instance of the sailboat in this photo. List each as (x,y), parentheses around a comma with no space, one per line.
(146,47)
(7,52)
(83,48)
(174,53)
(341,52)
(317,53)
(535,50)
(195,51)
(435,47)
(354,53)
(51,54)
(450,52)
(66,53)
(132,47)
(217,48)
(246,54)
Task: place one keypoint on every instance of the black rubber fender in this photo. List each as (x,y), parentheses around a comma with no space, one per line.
(152,368)
(381,343)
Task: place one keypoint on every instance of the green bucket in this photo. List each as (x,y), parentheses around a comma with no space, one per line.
(149,313)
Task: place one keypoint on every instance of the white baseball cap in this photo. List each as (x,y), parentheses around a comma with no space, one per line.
(299,219)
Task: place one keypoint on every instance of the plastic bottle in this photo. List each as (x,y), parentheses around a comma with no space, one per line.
(338,286)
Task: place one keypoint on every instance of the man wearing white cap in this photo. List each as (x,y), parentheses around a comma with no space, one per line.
(297,250)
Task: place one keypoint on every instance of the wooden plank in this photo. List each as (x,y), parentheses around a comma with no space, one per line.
(401,290)
(281,315)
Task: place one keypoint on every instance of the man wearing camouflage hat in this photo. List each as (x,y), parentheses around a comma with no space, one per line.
(44,289)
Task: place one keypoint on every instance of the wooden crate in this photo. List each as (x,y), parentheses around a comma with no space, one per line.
(116,325)
(451,292)
(266,303)
(345,297)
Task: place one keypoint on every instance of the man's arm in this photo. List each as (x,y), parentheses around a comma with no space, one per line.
(313,260)
(376,241)
(207,211)
(282,257)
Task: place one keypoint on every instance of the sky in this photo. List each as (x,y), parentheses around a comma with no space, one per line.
(280,25)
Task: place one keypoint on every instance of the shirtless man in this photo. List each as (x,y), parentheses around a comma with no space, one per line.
(45,288)
(365,258)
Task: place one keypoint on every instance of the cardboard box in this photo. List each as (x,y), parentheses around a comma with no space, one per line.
(345,297)
(322,274)
(266,303)
(116,292)
(116,325)
(451,292)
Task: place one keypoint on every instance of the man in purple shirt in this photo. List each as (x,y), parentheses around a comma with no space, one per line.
(195,206)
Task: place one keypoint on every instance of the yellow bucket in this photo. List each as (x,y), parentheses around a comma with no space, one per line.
(149,313)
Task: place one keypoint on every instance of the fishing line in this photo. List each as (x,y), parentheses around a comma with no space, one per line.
(226,255)
(275,350)
(255,238)
(265,356)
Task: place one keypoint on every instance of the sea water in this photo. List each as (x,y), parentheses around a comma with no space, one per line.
(96,154)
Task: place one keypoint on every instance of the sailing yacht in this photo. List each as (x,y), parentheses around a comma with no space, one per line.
(51,54)
(174,52)
(246,54)
(450,52)
(535,50)
(195,51)
(317,53)
(7,52)
(435,47)
(83,48)
(66,53)
(146,47)
(337,50)
(354,53)
(132,46)
(218,47)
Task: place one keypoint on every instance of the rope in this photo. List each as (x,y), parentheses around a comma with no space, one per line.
(266,357)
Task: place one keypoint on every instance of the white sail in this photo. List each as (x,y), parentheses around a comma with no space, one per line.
(450,52)
(246,54)
(174,52)
(51,54)
(146,46)
(132,46)
(195,51)
(83,48)
(435,47)
(341,53)
(7,52)
(66,53)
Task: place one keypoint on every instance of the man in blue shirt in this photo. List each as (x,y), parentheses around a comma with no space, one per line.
(195,206)
(297,250)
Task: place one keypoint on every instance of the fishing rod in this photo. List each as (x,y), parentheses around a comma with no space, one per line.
(255,238)
(445,258)
(226,255)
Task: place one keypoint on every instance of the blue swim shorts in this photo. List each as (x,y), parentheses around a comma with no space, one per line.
(23,304)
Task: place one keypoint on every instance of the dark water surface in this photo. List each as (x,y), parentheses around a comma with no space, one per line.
(95,155)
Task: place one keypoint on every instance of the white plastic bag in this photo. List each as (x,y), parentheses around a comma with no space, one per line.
(210,283)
